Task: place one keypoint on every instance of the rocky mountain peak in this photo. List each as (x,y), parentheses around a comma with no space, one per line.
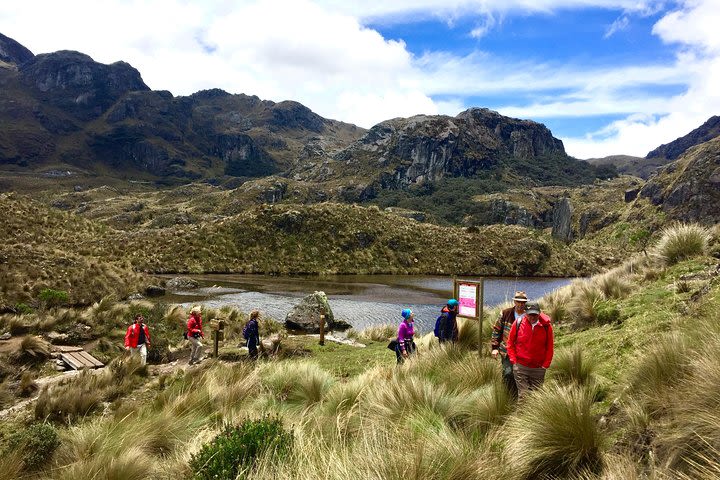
(672,151)
(11,52)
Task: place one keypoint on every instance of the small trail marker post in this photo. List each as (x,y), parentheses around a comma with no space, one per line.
(322,329)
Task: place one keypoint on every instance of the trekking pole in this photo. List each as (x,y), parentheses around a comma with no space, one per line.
(322,329)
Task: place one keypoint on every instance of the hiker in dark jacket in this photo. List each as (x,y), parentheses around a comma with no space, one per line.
(530,348)
(137,338)
(500,333)
(251,333)
(448,329)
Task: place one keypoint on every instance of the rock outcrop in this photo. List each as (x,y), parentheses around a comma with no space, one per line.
(305,316)
(11,52)
(672,151)
(688,189)
(562,221)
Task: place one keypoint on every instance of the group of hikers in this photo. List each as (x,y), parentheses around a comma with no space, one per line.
(137,336)
(522,337)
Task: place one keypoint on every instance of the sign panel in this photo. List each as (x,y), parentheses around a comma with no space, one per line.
(467,297)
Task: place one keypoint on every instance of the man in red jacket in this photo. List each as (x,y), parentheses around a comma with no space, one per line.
(137,338)
(530,348)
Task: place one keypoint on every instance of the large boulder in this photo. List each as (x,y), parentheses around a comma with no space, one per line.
(181,283)
(305,316)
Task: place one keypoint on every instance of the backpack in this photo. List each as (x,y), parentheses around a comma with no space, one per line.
(245,332)
(438,326)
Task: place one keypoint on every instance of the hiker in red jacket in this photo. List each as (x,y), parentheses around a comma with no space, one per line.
(137,338)
(194,334)
(530,348)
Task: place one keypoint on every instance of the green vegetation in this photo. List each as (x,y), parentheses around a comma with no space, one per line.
(232,454)
(682,241)
(38,442)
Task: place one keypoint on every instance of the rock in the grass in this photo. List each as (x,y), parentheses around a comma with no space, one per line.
(270,345)
(154,291)
(180,283)
(135,296)
(57,338)
(305,316)
(5,336)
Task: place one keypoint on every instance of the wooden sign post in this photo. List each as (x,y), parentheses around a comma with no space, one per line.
(322,329)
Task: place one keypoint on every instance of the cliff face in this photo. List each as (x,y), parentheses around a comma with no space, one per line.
(673,150)
(688,189)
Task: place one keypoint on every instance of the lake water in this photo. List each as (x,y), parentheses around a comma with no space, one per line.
(361,300)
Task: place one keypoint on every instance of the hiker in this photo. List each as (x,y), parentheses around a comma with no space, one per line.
(194,334)
(137,338)
(530,348)
(405,344)
(251,333)
(500,332)
(446,329)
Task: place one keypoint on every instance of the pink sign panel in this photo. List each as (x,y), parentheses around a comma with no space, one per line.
(467,297)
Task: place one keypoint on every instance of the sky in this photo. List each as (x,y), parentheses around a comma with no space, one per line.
(608,77)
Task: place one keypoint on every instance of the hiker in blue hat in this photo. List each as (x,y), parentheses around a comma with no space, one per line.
(405,344)
(446,328)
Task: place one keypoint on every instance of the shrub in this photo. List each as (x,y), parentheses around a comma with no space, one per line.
(233,453)
(53,298)
(557,436)
(682,241)
(23,308)
(607,312)
(38,442)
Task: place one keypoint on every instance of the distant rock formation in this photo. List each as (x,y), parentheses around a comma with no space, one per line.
(562,221)
(305,316)
(11,52)
(672,151)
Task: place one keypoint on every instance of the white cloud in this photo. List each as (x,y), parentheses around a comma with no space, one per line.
(618,25)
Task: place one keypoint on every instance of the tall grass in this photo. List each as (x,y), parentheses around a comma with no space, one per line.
(555,434)
(681,241)
(296,384)
(584,304)
(571,366)
(377,333)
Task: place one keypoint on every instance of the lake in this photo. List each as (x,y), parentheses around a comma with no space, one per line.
(361,300)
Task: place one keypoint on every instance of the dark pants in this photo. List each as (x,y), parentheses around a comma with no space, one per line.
(409,348)
(508,377)
(252,345)
(528,379)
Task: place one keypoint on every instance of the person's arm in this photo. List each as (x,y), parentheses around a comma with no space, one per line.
(550,347)
(512,354)
(402,335)
(147,336)
(127,337)
(496,337)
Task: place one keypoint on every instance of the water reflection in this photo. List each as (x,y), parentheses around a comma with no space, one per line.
(362,300)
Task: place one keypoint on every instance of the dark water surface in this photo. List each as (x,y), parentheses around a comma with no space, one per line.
(361,300)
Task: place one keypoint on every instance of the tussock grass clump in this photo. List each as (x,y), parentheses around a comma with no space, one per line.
(665,363)
(301,384)
(32,349)
(557,436)
(468,332)
(681,241)
(555,304)
(583,306)
(572,367)
(612,285)
(378,333)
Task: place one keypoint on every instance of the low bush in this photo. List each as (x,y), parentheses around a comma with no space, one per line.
(607,312)
(682,241)
(233,453)
(38,442)
(53,298)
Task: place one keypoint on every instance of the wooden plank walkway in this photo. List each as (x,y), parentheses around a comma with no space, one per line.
(81,359)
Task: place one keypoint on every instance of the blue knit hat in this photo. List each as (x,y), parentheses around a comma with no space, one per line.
(406,313)
(452,302)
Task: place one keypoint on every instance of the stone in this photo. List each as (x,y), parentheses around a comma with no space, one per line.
(57,338)
(181,283)
(5,336)
(154,291)
(631,194)
(305,316)
(135,296)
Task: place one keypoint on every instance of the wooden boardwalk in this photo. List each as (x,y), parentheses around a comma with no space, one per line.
(80,359)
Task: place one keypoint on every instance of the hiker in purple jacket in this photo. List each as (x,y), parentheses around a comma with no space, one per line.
(406,330)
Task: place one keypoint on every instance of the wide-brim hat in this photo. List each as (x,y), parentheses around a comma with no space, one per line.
(520,296)
(196,309)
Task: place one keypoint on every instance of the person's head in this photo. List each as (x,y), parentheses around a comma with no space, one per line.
(532,310)
(139,318)
(453,304)
(196,310)
(520,301)
(254,314)
(407,314)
